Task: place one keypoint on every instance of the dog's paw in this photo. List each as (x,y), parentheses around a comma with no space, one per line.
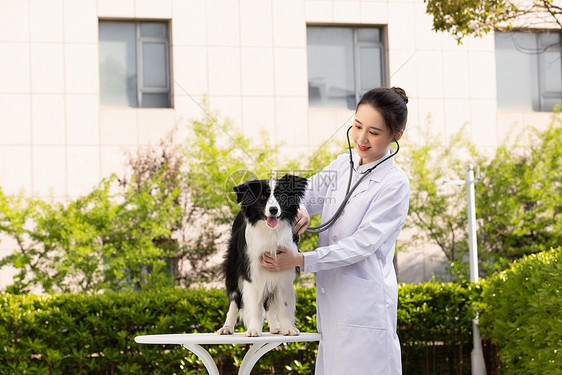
(275,330)
(290,331)
(253,333)
(226,330)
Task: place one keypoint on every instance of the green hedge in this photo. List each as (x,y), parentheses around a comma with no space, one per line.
(94,333)
(522,313)
(435,327)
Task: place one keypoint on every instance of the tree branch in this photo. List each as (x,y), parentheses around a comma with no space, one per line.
(549,8)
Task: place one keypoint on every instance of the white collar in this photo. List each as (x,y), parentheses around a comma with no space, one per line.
(378,173)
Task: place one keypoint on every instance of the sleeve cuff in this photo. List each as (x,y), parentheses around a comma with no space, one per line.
(310,259)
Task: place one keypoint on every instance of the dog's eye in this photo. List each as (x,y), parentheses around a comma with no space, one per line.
(263,197)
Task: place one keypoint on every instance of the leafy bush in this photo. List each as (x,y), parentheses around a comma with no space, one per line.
(157,226)
(94,333)
(437,211)
(98,241)
(521,313)
(435,327)
(519,202)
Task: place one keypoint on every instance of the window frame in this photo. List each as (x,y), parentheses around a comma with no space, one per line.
(139,45)
(543,93)
(141,87)
(380,44)
(357,63)
(537,103)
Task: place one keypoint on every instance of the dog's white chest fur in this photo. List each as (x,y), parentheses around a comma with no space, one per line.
(260,239)
(276,286)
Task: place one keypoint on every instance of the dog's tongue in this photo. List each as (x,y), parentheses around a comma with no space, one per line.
(272,221)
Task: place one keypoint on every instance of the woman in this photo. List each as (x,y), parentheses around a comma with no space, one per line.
(357,293)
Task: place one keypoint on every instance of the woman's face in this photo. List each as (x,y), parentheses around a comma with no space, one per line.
(370,134)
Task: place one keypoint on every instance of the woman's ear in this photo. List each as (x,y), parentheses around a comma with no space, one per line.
(398,135)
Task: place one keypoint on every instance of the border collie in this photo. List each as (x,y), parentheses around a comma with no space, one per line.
(268,213)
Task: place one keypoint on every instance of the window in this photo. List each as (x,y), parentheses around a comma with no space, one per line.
(343,63)
(529,70)
(134,64)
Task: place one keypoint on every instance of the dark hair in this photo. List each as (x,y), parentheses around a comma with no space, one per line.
(391,104)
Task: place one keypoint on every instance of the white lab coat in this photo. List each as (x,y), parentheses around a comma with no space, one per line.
(356,288)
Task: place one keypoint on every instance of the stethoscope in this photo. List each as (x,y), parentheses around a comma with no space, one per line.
(349,191)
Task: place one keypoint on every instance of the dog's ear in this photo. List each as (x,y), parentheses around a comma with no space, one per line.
(248,192)
(240,191)
(295,184)
(300,184)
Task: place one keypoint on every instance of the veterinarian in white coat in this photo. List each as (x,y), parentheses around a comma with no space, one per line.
(357,292)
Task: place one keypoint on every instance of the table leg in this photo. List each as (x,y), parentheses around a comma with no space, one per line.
(204,356)
(254,354)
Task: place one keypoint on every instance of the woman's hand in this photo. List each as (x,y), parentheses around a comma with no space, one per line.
(283,260)
(303,219)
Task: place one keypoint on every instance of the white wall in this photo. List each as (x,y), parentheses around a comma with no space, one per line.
(248,57)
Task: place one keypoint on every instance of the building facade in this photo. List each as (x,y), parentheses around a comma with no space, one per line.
(83,81)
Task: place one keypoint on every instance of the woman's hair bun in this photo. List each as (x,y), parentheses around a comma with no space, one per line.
(401,92)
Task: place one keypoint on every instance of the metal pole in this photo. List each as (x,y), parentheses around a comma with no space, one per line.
(477,357)
(471,209)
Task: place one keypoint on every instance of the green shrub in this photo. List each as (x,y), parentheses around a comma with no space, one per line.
(157,225)
(437,212)
(94,333)
(435,327)
(519,202)
(518,199)
(103,240)
(522,309)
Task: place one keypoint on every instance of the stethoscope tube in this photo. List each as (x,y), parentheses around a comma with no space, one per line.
(349,190)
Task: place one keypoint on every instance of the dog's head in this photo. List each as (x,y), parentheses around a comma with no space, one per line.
(271,200)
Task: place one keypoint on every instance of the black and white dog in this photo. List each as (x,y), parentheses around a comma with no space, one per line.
(269,210)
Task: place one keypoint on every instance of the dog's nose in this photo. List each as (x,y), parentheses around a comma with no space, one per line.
(273,210)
